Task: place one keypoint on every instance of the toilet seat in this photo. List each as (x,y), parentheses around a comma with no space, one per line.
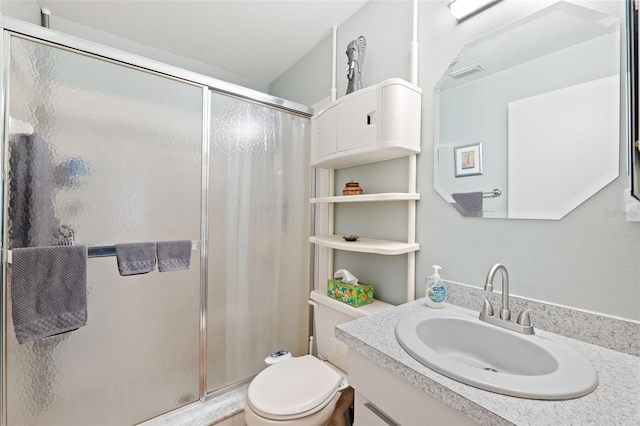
(294,388)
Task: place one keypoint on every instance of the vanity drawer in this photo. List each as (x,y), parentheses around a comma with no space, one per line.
(367,414)
(400,401)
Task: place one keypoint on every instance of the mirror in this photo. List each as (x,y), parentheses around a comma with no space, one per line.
(527,119)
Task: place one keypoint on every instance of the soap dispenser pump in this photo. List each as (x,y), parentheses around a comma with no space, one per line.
(436,291)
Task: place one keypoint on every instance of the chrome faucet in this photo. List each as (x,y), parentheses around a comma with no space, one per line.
(505,313)
(523,323)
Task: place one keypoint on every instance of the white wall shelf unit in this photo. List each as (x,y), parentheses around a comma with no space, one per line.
(365,245)
(378,123)
(364,198)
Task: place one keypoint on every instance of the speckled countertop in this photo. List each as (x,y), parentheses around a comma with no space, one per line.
(616,401)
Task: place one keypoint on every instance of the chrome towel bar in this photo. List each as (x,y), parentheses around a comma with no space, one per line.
(101,251)
(492,194)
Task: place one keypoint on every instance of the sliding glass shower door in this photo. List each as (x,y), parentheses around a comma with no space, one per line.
(101,153)
(258,264)
(97,152)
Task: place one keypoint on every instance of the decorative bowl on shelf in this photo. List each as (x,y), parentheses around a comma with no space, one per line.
(350,237)
(352,188)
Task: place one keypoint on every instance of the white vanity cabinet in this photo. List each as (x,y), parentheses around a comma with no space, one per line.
(374,124)
(383,398)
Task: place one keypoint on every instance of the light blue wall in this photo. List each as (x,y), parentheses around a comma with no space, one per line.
(29,11)
(312,73)
(590,259)
(309,80)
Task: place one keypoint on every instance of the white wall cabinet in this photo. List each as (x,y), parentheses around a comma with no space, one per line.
(374,124)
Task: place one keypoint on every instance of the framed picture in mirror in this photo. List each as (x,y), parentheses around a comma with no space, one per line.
(468,160)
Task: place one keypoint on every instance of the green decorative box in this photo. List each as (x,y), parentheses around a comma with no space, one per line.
(354,295)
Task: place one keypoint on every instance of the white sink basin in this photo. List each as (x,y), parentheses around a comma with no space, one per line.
(457,344)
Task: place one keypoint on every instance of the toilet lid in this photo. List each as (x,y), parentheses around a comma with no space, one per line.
(293,387)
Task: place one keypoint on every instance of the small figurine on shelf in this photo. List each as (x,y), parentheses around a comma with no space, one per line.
(352,188)
(356,50)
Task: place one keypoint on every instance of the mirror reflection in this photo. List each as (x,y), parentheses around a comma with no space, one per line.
(527,118)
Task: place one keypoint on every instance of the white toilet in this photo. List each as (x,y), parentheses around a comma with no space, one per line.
(306,391)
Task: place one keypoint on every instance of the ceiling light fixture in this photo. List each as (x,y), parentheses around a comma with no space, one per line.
(463,9)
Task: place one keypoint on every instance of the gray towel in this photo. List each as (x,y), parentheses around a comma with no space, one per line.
(136,258)
(48,290)
(174,255)
(469,203)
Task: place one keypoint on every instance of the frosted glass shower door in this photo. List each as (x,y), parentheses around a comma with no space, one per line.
(258,268)
(114,156)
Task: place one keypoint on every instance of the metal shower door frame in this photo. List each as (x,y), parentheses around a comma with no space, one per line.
(11,28)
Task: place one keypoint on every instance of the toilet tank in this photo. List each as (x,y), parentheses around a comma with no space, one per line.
(330,313)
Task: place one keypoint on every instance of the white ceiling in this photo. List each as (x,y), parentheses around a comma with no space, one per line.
(257,39)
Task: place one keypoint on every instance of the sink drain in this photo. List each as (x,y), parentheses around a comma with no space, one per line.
(490,369)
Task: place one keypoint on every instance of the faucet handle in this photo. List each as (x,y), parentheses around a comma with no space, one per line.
(487,307)
(524,317)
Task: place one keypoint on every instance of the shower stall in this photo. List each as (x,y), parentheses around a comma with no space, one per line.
(102,147)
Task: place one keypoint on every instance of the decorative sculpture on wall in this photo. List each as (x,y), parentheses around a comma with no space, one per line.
(355,54)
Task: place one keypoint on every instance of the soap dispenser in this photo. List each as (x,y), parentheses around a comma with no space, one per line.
(436,291)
